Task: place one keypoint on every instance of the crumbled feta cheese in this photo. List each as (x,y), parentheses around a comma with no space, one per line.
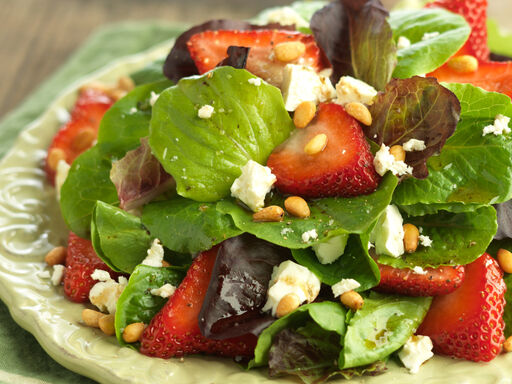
(286,16)
(205,112)
(419,271)
(104,295)
(343,286)
(388,234)
(415,352)
(253,185)
(164,291)
(425,241)
(60,176)
(100,275)
(44,274)
(153,97)
(403,43)
(414,145)
(329,251)
(62,115)
(309,235)
(302,83)
(286,231)
(384,161)
(155,254)
(290,277)
(429,35)
(254,81)
(499,127)
(58,274)
(351,90)
(132,110)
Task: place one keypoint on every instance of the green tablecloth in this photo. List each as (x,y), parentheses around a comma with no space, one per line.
(22,359)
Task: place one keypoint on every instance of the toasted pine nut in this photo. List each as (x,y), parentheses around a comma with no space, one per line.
(133,332)
(91,318)
(125,83)
(352,300)
(297,206)
(316,145)
(116,93)
(289,51)
(165,264)
(505,260)
(398,152)
(411,236)
(94,85)
(464,64)
(304,113)
(107,324)
(54,156)
(272,213)
(56,256)
(288,304)
(83,139)
(507,345)
(359,112)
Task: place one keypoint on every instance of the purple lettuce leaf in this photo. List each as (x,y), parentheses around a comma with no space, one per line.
(237,57)
(416,108)
(238,288)
(504,213)
(139,177)
(357,40)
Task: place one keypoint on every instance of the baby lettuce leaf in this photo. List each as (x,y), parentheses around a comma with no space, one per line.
(119,237)
(151,73)
(136,303)
(355,263)
(382,326)
(457,238)
(504,213)
(423,56)
(507,315)
(205,155)
(304,9)
(471,168)
(417,108)
(329,216)
(431,209)
(187,226)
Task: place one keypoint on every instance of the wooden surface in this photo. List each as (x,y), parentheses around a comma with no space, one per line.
(36,36)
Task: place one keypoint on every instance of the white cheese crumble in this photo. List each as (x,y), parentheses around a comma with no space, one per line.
(62,115)
(104,294)
(388,234)
(403,43)
(44,274)
(132,110)
(60,176)
(205,112)
(415,352)
(429,35)
(302,83)
(414,145)
(499,127)
(309,235)
(58,274)
(164,291)
(253,185)
(384,161)
(286,16)
(425,241)
(286,231)
(419,271)
(344,286)
(153,97)
(351,90)
(100,275)
(254,81)
(290,277)
(155,255)
(329,251)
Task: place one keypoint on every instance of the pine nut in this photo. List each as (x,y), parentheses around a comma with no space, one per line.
(316,145)
(83,139)
(398,152)
(107,324)
(116,93)
(94,85)
(507,345)
(272,213)
(464,64)
(56,256)
(297,206)
(359,112)
(289,51)
(352,300)
(125,83)
(288,304)
(133,332)
(505,260)
(91,318)
(304,113)
(54,156)
(411,236)
(165,264)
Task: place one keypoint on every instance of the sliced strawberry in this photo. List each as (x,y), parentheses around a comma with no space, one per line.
(343,168)
(436,281)
(81,262)
(468,323)
(209,48)
(174,331)
(475,13)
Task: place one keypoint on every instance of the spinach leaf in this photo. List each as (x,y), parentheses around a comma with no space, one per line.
(499,40)
(430,209)
(496,245)
(382,326)
(507,315)
(150,73)
(136,303)
(205,155)
(423,56)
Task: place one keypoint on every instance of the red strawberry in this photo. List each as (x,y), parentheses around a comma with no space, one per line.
(468,323)
(475,13)
(436,281)
(81,262)
(209,48)
(80,132)
(343,168)
(174,331)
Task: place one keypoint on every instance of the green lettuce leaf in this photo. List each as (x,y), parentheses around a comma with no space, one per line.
(498,39)
(151,73)
(423,56)
(507,316)
(205,155)
(431,209)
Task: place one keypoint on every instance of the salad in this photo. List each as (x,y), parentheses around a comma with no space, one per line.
(318,192)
